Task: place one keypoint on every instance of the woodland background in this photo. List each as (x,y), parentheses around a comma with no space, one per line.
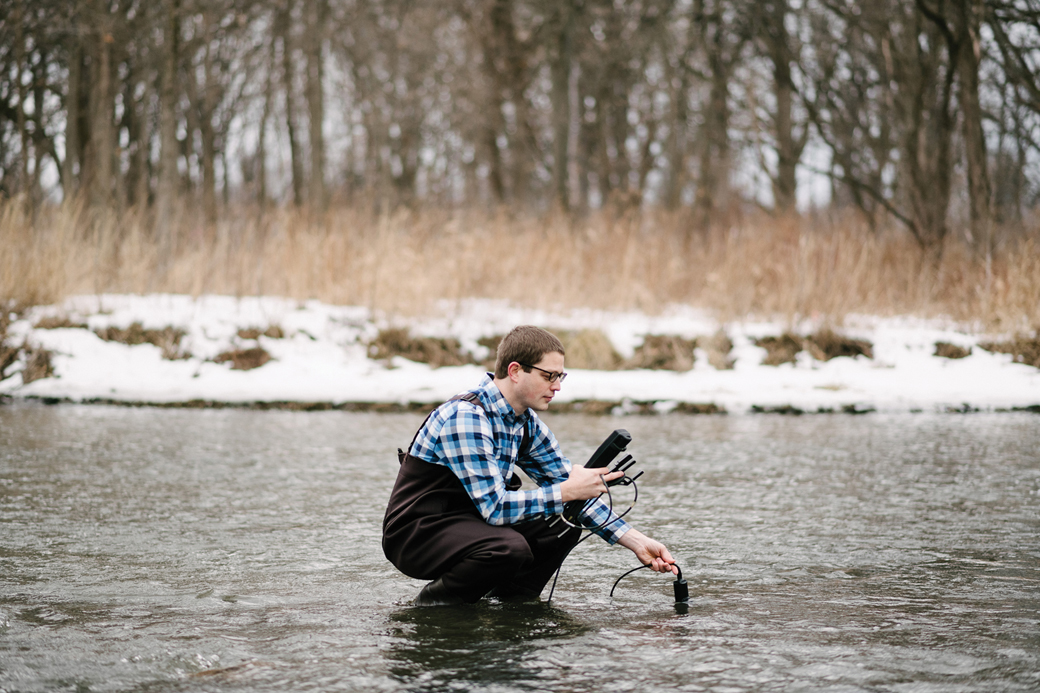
(814,157)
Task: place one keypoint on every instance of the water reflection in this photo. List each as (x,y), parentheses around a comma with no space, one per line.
(487,643)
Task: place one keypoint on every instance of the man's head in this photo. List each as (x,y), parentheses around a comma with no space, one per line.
(529,368)
(525,344)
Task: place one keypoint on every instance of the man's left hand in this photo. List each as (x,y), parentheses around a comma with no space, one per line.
(649,551)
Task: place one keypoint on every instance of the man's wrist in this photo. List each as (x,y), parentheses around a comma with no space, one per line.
(629,537)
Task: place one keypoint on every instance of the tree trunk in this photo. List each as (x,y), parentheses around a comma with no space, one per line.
(18,18)
(261,142)
(523,145)
(604,167)
(560,68)
(207,136)
(495,179)
(714,153)
(929,81)
(283,24)
(316,102)
(73,113)
(103,136)
(679,113)
(136,117)
(493,124)
(169,149)
(927,149)
(42,145)
(788,149)
(969,55)
(619,131)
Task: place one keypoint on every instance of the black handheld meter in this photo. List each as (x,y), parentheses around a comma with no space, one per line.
(610,448)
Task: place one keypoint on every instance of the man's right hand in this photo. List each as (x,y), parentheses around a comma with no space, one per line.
(587,482)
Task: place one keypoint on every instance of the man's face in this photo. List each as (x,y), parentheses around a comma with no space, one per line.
(533,389)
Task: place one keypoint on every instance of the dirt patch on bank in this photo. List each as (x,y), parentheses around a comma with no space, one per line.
(37,360)
(37,364)
(951,351)
(718,347)
(271,332)
(663,352)
(59,323)
(168,339)
(435,351)
(590,350)
(822,345)
(244,359)
(782,349)
(1023,348)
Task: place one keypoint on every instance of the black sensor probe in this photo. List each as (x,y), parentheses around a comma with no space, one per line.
(679,587)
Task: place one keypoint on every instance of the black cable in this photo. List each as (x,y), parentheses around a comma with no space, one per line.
(610,509)
(624,575)
(635,489)
(680,587)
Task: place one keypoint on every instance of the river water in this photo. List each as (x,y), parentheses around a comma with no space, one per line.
(175,550)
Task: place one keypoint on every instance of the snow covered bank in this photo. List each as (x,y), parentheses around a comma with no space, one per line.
(322,357)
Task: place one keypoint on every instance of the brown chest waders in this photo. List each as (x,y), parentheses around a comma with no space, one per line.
(432,530)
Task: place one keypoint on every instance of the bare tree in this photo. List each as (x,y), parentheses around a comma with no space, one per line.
(531,103)
(959,24)
(782,51)
(1016,33)
(724,29)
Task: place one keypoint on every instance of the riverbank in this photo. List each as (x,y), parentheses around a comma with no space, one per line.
(219,351)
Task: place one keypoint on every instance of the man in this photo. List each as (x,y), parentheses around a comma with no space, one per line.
(455,518)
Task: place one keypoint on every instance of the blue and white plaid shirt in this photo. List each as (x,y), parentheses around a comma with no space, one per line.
(481,446)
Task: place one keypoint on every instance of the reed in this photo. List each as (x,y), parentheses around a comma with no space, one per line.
(402,261)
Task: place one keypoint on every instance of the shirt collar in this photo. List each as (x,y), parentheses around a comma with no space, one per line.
(498,403)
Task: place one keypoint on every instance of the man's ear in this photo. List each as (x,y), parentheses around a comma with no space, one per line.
(514,368)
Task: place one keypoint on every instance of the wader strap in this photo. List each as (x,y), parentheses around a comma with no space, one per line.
(514,482)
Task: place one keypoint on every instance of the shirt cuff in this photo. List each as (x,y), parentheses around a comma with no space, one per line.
(553,500)
(613,531)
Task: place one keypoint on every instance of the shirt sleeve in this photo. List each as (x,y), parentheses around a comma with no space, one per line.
(466,445)
(546,465)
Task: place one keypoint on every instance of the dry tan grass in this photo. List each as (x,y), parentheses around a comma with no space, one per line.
(402,261)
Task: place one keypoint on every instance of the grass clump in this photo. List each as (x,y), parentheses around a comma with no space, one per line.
(435,351)
(59,323)
(951,351)
(244,359)
(37,364)
(271,332)
(663,352)
(590,350)
(491,344)
(825,344)
(1023,349)
(8,356)
(168,339)
(779,350)
(718,347)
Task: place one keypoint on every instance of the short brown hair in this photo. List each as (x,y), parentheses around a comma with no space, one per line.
(524,344)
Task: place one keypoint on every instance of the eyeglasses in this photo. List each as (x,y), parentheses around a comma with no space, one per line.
(551,376)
